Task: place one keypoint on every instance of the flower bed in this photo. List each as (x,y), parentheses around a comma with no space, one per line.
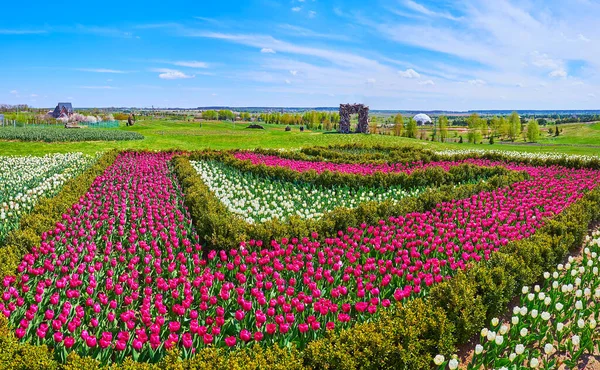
(52,134)
(122,273)
(349,168)
(554,324)
(24,180)
(259,199)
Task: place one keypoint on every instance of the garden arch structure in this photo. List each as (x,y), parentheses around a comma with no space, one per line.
(363,117)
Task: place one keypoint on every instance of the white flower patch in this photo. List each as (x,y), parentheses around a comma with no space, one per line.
(259,199)
(24,180)
(557,335)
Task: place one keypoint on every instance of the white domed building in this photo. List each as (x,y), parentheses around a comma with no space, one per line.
(422,119)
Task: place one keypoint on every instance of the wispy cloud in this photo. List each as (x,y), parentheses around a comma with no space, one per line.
(419,8)
(267,51)
(100,70)
(22,32)
(191,64)
(297,31)
(105,87)
(171,74)
(296,9)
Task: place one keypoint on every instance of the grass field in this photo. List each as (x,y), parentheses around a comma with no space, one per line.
(165,134)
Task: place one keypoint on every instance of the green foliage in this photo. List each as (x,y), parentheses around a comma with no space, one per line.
(398,125)
(514,126)
(443,123)
(61,134)
(411,128)
(533,131)
(475,124)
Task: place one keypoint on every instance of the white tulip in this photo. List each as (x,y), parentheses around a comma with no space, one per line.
(534,363)
(453,364)
(523,332)
(439,359)
(519,349)
(478,349)
(545,316)
(575,340)
(548,348)
(495,321)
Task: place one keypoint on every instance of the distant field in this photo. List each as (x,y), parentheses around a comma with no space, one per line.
(166,134)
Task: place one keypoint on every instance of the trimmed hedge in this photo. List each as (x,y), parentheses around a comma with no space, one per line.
(432,176)
(46,213)
(220,228)
(347,153)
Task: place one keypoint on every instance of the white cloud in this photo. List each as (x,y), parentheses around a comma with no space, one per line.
(592,95)
(583,38)
(14,92)
(100,70)
(558,73)
(477,82)
(288,81)
(296,9)
(34,95)
(409,73)
(427,82)
(544,61)
(293,72)
(371,80)
(214,94)
(267,51)
(312,14)
(191,64)
(171,74)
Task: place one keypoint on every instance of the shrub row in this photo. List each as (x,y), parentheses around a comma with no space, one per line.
(432,176)
(52,134)
(361,153)
(357,153)
(46,213)
(220,228)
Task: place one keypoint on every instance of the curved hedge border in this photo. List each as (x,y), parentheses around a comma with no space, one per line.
(385,153)
(46,213)
(220,228)
(431,176)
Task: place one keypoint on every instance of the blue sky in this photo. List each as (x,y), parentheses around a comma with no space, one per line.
(395,54)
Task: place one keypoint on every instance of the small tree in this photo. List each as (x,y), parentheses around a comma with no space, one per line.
(556,133)
(474,124)
(411,128)
(398,125)
(443,122)
(533,131)
(514,124)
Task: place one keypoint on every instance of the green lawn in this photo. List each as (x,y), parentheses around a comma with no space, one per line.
(163,134)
